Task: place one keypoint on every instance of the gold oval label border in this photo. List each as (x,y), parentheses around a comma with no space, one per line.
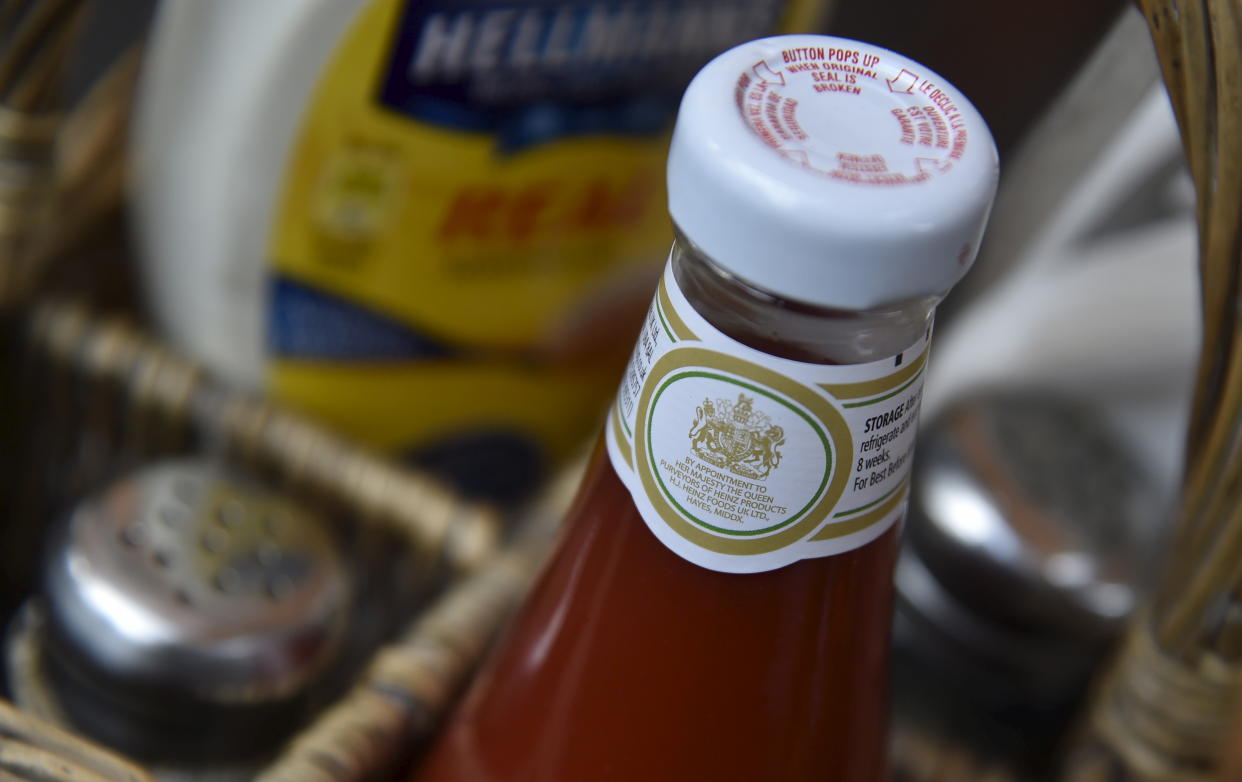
(834,423)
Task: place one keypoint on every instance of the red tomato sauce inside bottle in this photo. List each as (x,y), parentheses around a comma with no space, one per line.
(629,663)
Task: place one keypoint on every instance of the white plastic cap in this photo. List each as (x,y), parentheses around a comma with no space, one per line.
(831,172)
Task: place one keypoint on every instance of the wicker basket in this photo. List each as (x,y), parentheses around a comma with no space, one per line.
(92,397)
(101,399)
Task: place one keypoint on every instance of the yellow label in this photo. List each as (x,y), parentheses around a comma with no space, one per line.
(474,213)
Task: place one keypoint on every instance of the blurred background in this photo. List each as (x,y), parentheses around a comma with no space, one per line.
(276,265)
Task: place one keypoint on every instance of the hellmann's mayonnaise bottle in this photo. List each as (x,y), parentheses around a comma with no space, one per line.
(430,223)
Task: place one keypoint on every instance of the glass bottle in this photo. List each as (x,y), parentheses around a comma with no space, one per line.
(718,606)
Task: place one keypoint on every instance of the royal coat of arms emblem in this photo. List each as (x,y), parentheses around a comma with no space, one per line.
(736,437)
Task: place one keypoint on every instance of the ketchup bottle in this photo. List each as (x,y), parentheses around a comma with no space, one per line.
(718,605)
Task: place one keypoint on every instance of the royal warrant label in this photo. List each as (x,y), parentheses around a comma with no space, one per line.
(742,462)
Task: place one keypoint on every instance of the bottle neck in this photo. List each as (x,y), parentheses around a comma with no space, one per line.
(791,329)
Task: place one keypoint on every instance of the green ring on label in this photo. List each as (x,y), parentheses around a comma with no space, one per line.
(839,435)
(828,455)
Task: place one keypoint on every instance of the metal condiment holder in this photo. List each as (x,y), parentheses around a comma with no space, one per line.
(116,399)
